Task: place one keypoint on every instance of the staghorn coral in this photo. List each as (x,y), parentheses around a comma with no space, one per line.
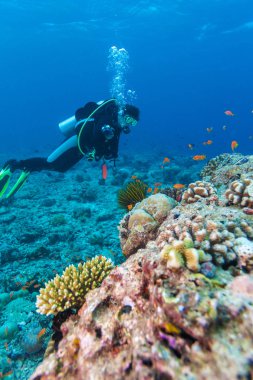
(69,290)
(199,190)
(240,193)
(131,194)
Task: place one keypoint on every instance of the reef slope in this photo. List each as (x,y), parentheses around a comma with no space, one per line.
(183,314)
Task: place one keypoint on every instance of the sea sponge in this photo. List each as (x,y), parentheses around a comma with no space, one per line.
(199,190)
(69,290)
(240,193)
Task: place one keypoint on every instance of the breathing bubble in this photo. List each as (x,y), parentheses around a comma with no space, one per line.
(118,64)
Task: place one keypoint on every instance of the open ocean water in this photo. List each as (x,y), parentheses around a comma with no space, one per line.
(184,63)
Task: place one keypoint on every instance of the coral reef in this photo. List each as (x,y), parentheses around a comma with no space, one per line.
(226,168)
(173,310)
(181,253)
(69,290)
(140,225)
(240,193)
(213,232)
(198,190)
(149,322)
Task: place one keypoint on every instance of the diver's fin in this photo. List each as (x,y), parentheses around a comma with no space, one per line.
(5,175)
(19,183)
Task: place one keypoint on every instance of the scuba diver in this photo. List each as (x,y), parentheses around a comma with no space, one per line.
(93,132)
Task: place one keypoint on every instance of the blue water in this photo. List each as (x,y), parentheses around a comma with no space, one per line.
(189,62)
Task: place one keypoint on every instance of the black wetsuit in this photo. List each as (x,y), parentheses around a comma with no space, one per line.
(92,137)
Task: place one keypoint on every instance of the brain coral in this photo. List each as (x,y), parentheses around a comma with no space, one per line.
(140,225)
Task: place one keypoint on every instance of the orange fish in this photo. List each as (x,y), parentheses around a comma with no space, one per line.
(166,159)
(156,190)
(134,177)
(129,207)
(208,142)
(209,129)
(104,171)
(178,186)
(149,190)
(234,144)
(199,157)
(41,333)
(191,146)
(36,286)
(158,184)
(229,113)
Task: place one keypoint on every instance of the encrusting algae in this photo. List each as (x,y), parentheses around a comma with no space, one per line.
(69,290)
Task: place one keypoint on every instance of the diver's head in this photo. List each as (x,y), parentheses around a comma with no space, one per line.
(130,117)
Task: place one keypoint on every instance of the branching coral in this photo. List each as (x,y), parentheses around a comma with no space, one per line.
(199,190)
(132,193)
(216,239)
(69,290)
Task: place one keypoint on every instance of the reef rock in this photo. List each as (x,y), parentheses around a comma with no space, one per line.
(139,225)
(151,320)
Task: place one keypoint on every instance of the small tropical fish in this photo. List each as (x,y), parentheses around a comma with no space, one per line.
(208,142)
(156,190)
(41,333)
(229,113)
(199,157)
(149,190)
(158,184)
(178,186)
(129,207)
(104,171)
(36,286)
(166,160)
(191,146)
(224,127)
(234,144)
(209,129)
(134,177)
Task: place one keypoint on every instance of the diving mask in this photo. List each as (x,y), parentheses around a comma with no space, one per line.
(130,121)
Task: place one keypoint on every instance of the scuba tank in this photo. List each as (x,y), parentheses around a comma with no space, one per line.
(67,126)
